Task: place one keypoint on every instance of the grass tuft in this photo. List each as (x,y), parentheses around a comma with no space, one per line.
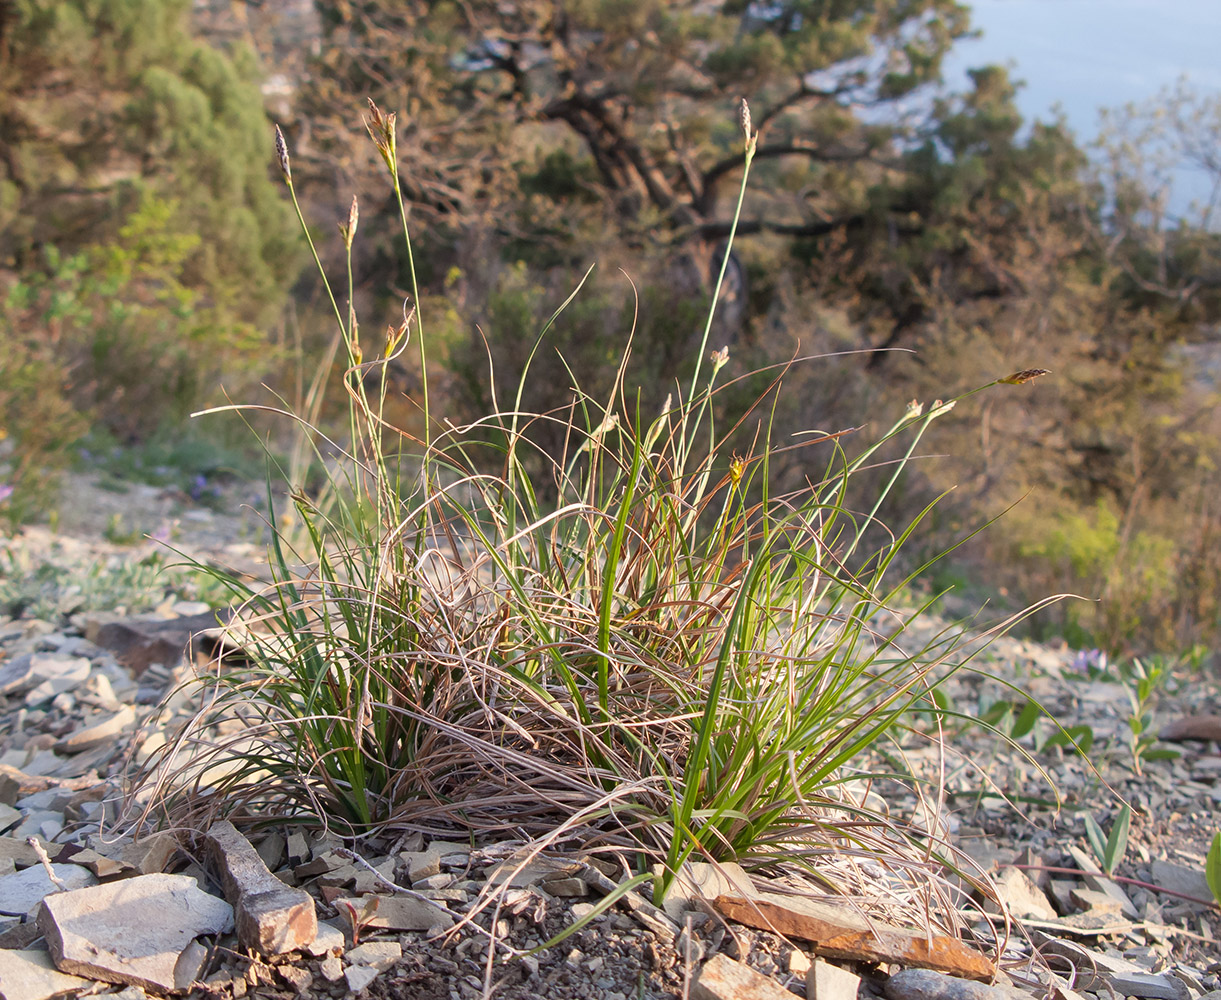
(633,642)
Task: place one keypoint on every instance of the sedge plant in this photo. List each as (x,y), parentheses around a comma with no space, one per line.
(642,647)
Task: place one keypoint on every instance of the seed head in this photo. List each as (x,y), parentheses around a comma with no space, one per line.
(1024,376)
(282,155)
(381,131)
(744,119)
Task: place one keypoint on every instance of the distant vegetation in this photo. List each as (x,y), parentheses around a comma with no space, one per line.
(931,242)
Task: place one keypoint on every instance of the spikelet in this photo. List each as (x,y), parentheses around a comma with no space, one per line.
(282,155)
(1024,376)
(750,138)
(348,231)
(381,131)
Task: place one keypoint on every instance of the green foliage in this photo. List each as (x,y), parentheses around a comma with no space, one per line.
(137,344)
(144,240)
(141,243)
(1141,680)
(169,116)
(1130,572)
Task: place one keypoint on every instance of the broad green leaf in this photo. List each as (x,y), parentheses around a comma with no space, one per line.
(1117,842)
(1026,719)
(1097,841)
(1212,868)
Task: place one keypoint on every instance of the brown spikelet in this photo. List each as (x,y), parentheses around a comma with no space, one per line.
(282,155)
(348,232)
(382,132)
(1024,376)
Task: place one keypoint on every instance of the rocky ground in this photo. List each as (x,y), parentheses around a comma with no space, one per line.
(94,637)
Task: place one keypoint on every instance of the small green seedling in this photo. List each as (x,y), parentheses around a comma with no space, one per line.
(1110,850)
(1141,682)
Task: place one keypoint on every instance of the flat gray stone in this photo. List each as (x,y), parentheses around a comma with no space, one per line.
(100,733)
(396,913)
(1020,896)
(1148,984)
(9,816)
(56,675)
(925,984)
(29,975)
(359,976)
(380,955)
(1096,880)
(1181,879)
(132,931)
(699,882)
(21,892)
(722,978)
(17,674)
(329,940)
(21,853)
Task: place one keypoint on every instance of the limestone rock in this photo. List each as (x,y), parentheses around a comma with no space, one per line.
(272,918)
(825,981)
(359,976)
(380,955)
(722,978)
(131,931)
(700,882)
(150,855)
(100,733)
(925,984)
(21,892)
(1021,897)
(1147,984)
(395,913)
(29,975)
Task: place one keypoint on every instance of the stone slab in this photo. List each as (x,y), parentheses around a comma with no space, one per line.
(395,913)
(100,733)
(131,931)
(30,975)
(722,978)
(825,981)
(21,892)
(841,932)
(139,642)
(925,984)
